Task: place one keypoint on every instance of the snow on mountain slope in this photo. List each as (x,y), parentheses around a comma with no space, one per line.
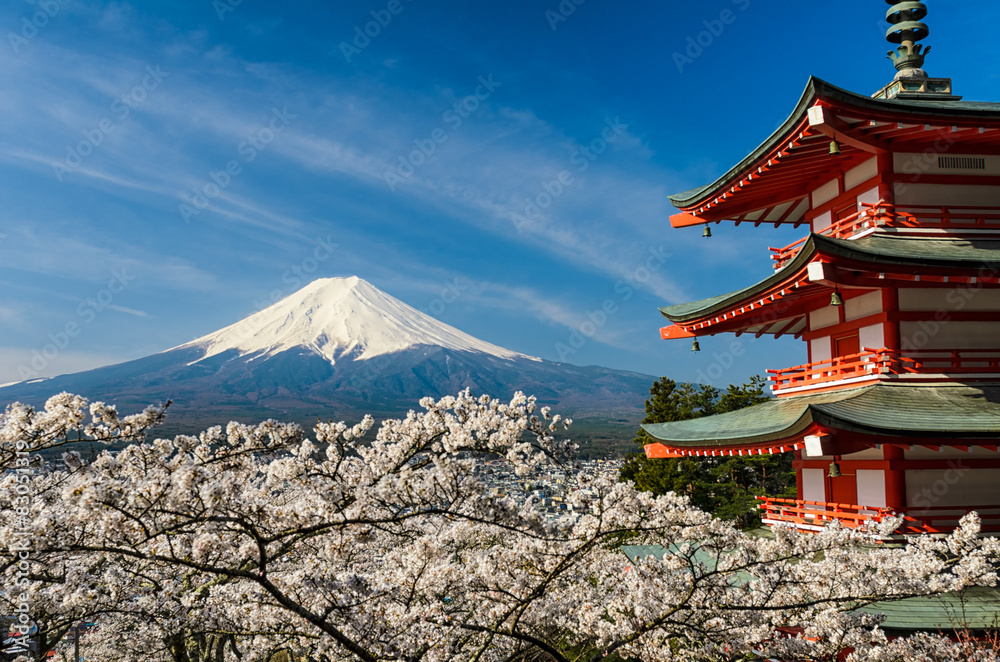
(333,317)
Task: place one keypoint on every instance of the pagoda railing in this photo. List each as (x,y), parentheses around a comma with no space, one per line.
(888,363)
(815,515)
(944,519)
(870,216)
(913,217)
(868,362)
(946,218)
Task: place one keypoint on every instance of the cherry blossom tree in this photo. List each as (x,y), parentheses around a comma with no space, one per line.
(358,544)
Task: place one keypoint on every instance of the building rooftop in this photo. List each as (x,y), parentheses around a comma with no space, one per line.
(896,411)
(874,251)
(918,111)
(976,608)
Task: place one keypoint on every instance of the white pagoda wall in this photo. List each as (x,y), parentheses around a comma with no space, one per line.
(939,331)
(914,165)
(823,317)
(965,297)
(872,336)
(949,335)
(955,483)
(947,453)
(814,485)
(831,190)
(953,487)
(861,174)
(871,487)
(945,195)
(912,191)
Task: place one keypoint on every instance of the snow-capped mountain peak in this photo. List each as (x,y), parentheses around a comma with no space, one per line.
(332,317)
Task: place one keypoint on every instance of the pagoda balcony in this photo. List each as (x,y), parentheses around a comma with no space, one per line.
(914,219)
(815,516)
(872,365)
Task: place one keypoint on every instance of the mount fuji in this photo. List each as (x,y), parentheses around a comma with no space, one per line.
(338,348)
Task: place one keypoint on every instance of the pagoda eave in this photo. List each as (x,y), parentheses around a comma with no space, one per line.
(658,451)
(931,415)
(822,264)
(797,158)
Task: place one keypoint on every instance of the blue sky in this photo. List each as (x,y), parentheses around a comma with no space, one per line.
(168,168)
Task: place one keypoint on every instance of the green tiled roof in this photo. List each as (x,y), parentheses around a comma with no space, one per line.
(769,421)
(876,250)
(974,609)
(919,411)
(683,311)
(897,250)
(890,409)
(819,88)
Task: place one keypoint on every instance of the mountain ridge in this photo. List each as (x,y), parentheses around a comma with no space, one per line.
(340,348)
(333,314)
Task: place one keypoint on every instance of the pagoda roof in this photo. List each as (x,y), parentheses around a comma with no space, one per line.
(771,184)
(951,411)
(975,608)
(875,252)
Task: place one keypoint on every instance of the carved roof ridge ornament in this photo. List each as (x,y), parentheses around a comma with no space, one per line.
(906,29)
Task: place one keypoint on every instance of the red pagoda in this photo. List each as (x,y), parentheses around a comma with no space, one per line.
(895,291)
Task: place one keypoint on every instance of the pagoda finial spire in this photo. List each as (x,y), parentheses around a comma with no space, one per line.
(906,29)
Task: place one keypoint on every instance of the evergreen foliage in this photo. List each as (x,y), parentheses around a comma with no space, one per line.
(723,486)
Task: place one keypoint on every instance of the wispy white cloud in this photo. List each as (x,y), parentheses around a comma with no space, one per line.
(51,252)
(10,317)
(517,300)
(603,222)
(347,134)
(128,311)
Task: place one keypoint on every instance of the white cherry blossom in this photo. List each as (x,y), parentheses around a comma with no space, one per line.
(363,544)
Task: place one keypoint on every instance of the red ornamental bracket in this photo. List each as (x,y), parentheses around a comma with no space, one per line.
(674,332)
(686,220)
(660,452)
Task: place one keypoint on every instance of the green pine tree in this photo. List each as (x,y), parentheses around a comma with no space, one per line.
(723,486)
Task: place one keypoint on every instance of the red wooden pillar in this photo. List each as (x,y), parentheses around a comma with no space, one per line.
(886,168)
(895,479)
(890,305)
(798,477)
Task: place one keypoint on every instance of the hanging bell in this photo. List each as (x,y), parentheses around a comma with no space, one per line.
(834,471)
(695,347)
(836,299)
(834,148)
(707,232)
